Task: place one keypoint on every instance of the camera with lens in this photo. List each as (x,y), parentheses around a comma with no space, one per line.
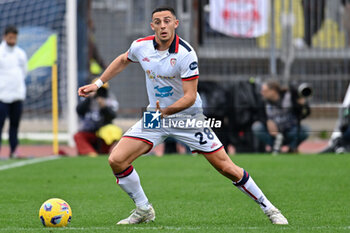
(302,90)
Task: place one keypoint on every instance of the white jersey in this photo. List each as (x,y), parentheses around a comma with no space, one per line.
(165,72)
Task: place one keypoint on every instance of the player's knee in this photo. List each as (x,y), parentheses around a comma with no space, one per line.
(116,161)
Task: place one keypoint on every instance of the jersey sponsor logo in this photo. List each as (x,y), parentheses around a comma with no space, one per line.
(193,65)
(165,77)
(146,59)
(151,120)
(172,62)
(164,91)
(152,75)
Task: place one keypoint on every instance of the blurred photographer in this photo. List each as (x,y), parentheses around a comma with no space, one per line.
(97,133)
(285,108)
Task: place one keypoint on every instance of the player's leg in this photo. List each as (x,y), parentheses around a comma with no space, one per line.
(120,160)
(205,141)
(126,151)
(242,180)
(222,162)
(135,142)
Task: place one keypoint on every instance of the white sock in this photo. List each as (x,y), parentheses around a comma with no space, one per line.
(248,186)
(129,181)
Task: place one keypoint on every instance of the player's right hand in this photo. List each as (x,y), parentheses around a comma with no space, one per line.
(87,90)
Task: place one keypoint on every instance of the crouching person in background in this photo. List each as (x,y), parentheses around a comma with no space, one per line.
(96,133)
(285,108)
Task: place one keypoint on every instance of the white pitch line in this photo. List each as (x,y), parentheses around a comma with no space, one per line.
(173,228)
(27,162)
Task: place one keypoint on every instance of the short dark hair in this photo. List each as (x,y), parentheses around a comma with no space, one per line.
(164,8)
(273,84)
(11,29)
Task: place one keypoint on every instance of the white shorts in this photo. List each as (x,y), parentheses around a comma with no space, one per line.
(201,140)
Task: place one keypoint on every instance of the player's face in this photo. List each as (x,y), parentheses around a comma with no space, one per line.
(11,39)
(164,24)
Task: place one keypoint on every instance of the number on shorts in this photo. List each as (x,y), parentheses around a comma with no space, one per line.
(208,133)
(201,138)
(200,135)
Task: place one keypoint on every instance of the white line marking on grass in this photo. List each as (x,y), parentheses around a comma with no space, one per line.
(173,228)
(234,228)
(27,162)
(105,228)
(166,228)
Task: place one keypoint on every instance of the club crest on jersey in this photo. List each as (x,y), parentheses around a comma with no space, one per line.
(172,62)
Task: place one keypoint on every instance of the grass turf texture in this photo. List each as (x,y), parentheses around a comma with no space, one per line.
(187,193)
(33,142)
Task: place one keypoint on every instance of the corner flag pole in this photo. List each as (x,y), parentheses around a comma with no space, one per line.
(54,84)
(54,109)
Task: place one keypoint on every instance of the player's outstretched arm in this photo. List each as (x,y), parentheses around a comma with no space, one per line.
(117,66)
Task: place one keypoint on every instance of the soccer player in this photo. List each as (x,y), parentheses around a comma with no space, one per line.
(171,70)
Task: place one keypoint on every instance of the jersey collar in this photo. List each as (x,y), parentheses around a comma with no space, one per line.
(174,47)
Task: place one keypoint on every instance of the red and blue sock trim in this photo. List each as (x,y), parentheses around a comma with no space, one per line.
(243,180)
(241,184)
(124,173)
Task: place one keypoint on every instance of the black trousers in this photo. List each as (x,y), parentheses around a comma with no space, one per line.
(13,111)
(314,14)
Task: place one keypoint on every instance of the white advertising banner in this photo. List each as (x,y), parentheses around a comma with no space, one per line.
(239,18)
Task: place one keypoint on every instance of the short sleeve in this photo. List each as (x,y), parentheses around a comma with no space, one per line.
(189,67)
(132,53)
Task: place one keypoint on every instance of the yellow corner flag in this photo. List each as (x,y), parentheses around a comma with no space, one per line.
(46,55)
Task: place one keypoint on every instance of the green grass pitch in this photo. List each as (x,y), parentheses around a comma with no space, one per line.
(313,192)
